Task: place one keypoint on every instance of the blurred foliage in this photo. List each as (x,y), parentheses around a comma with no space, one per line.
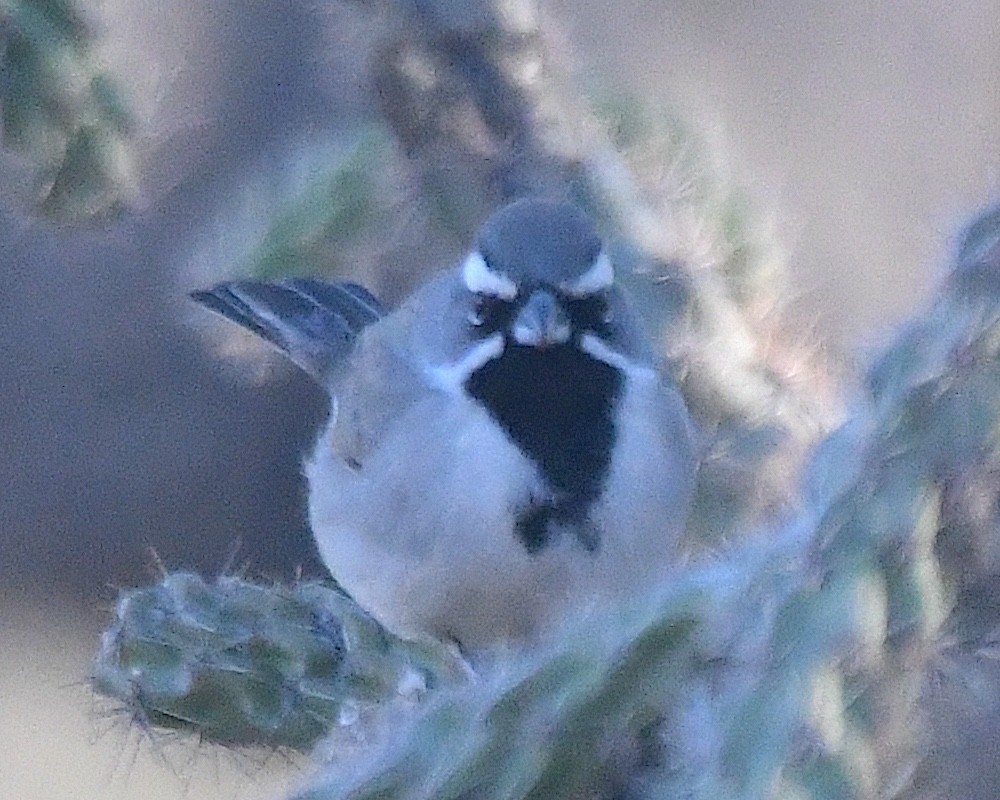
(715,218)
(336,214)
(61,112)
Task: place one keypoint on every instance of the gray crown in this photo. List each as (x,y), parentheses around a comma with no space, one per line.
(539,241)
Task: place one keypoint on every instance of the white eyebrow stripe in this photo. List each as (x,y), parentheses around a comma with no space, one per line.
(595,347)
(451,377)
(600,276)
(480,279)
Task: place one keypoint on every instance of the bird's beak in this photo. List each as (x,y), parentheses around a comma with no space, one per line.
(541,322)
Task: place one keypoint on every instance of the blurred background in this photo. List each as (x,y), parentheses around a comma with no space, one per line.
(865,133)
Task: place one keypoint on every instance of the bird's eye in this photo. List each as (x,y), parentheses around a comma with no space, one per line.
(591,313)
(489,313)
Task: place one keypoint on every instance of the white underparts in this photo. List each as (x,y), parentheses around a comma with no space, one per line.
(480,279)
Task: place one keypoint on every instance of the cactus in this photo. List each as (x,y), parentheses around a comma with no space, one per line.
(244,663)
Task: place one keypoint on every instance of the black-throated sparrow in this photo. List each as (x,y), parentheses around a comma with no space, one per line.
(501,448)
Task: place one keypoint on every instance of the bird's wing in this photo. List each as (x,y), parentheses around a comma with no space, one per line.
(393,365)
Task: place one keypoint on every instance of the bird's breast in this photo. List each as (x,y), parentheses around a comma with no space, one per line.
(557,405)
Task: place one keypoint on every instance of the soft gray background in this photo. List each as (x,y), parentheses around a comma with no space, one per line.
(869,131)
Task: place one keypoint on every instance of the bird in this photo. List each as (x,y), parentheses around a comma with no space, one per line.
(502,449)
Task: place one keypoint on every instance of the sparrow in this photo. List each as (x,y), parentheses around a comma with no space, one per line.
(502,450)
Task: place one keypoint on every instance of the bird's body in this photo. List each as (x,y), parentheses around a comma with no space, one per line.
(501,449)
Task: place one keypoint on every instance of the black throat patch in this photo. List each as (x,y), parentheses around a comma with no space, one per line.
(556,404)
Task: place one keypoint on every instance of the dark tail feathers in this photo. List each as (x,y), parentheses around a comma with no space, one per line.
(313,322)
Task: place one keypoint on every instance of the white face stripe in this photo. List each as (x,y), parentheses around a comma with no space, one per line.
(451,377)
(480,279)
(595,347)
(599,277)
